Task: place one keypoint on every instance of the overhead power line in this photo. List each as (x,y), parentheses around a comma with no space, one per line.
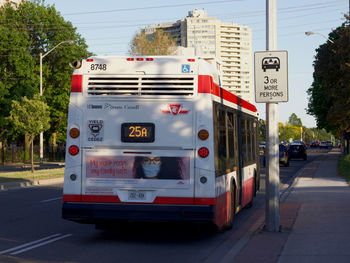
(150,7)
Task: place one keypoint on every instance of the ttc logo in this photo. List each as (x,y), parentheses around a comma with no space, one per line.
(175,109)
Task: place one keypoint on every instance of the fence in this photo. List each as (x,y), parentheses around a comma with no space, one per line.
(17,154)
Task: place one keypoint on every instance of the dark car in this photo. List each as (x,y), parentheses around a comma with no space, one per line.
(283,156)
(297,151)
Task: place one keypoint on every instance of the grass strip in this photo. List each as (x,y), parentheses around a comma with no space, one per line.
(344,167)
(29,176)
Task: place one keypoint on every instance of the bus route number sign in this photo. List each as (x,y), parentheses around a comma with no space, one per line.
(271,76)
(137,132)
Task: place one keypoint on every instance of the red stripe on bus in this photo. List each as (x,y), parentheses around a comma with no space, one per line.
(247,191)
(204,201)
(222,208)
(204,82)
(159,200)
(100,198)
(173,200)
(72,198)
(207,85)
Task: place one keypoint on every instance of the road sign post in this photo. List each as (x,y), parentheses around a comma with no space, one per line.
(271,87)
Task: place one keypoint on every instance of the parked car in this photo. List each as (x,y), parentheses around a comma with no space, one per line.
(297,151)
(329,144)
(323,145)
(283,156)
(314,144)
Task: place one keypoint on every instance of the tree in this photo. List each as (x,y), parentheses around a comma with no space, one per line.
(30,117)
(294,120)
(159,43)
(31,29)
(17,75)
(329,95)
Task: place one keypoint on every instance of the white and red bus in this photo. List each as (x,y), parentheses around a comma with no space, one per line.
(157,139)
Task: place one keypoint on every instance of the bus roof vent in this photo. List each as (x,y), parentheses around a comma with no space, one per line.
(141,85)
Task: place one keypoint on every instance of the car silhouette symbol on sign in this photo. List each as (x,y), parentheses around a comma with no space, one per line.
(271,63)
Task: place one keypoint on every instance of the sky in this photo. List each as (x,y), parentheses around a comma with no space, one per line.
(108,27)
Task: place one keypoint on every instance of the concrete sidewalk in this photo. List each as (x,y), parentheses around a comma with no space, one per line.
(315,220)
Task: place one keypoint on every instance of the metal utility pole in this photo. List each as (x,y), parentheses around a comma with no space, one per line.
(272,215)
(41,56)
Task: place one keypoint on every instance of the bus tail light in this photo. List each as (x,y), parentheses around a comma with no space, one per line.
(77,83)
(73,150)
(203,134)
(74,133)
(203,152)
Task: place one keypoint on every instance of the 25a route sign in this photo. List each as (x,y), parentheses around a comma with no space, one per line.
(271,76)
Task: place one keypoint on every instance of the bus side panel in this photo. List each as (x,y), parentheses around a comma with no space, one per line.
(73,163)
(204,167)
(248,180)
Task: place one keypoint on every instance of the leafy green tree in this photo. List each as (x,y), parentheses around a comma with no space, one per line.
(329,95)
(159,43)
(31,29)
(294,120)
(17,75)
(30,117)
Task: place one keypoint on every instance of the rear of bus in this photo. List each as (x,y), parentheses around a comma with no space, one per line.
(133,149)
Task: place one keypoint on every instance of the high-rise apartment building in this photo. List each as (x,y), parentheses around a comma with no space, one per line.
(14,3)
(229,42)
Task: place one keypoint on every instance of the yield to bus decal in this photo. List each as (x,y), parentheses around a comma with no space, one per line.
(96,130)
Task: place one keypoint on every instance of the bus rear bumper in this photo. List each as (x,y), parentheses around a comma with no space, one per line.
(94,213)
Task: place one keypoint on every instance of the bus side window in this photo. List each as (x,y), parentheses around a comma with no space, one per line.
(244,139)
(231,144)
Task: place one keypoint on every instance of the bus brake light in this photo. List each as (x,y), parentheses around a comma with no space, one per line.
(203,152)
(73,150)
(77,83)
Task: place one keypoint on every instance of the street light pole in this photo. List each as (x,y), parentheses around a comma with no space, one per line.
(309,33)
(41,56)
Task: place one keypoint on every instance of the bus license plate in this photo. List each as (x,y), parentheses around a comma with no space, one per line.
(137,132)
(136,195)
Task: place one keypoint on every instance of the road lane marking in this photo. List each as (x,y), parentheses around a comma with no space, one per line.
(28,244)
(40,244)
(52,199)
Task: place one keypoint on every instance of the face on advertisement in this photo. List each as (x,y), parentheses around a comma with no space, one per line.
(152,167)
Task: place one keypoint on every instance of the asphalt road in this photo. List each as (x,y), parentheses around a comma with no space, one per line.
(31,230)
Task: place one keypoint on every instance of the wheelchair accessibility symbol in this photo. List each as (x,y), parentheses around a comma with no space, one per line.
(185,68)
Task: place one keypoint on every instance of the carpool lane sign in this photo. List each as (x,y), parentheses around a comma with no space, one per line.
(271,76)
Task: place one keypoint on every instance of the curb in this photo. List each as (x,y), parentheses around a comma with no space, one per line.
(25,184)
